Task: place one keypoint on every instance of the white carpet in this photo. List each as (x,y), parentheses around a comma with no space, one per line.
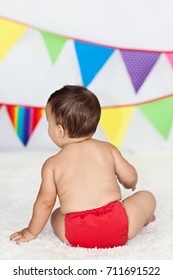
(19,183)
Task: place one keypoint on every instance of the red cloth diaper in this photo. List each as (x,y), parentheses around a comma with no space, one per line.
(103,227)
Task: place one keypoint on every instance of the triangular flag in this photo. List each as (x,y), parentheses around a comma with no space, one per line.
(170,57)
(24,120)
(91,59)
(54,44)
(114,122)
(10,32)
(139,64)
(160,114)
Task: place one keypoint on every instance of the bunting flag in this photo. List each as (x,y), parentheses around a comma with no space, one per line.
(91,59)
(114,122)
(24,120)
(54,44)
(10,33)
(160,114)
(139,64)
(170,57)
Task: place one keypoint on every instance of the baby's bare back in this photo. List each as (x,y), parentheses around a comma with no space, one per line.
(85,176)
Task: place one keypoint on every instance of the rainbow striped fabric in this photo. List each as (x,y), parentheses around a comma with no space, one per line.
(24,120)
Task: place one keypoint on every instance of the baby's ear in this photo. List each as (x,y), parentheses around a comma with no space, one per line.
(61,130)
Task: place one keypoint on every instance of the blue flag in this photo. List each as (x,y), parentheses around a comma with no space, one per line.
(91,59)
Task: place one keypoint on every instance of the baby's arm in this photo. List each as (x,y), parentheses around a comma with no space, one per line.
(125,172)
(42,207)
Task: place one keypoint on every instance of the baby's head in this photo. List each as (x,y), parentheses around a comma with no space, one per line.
(76,109)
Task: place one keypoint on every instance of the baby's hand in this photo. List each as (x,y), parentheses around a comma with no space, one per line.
(134,188)
(22,236)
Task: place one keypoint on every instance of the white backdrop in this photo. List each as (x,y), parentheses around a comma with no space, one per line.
(28,77)
(143,24)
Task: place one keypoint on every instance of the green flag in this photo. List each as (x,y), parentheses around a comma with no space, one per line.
(54,44)
(160,114)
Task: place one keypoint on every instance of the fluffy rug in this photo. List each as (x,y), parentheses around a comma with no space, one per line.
(19,184)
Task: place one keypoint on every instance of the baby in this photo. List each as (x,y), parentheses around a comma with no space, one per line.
(85,175)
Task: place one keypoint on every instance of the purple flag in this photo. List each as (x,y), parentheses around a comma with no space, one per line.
(139,64)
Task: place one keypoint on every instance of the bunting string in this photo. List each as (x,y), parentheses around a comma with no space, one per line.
(114,120)
(91,56)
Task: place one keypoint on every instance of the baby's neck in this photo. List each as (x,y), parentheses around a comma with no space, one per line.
(68,141)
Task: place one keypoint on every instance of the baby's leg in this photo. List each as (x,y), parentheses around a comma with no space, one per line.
(140,211)
(58,224)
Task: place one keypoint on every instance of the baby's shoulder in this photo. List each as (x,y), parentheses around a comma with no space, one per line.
(104,144)
(108,148)
(50,162)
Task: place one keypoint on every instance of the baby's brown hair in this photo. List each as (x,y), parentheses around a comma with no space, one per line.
(77,109)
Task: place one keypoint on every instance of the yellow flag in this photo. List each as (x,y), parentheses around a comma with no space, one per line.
(114,122)
(10,32)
